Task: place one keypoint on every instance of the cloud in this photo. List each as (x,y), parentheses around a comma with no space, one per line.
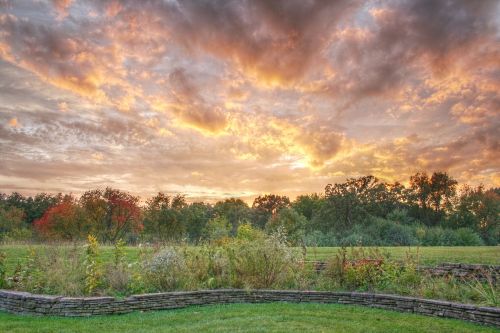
(61,7)
(61,59)
(275,42)
(14,123)
(408,40)
(221,98)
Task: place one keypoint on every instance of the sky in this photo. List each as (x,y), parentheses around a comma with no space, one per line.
(218,99)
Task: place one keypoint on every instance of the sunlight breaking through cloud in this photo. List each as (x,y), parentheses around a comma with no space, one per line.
(217,98)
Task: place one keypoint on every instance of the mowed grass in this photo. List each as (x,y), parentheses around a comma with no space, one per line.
(17,253)
(275,317)
(431,255)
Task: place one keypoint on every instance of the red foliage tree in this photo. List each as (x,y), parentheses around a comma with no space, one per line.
(61,221)
(123,214)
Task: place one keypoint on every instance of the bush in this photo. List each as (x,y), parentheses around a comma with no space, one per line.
(246,232)
(51,270)
(467,237)
(264,263)
(167,270)
(437,236)
(390,233)
(369,269)
(217,229)
(93,272)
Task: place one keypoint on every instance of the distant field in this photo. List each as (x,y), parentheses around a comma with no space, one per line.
(276,317)
(427,255)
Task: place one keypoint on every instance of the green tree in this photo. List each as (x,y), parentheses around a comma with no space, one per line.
(308,205)
(217,228)
(236,211)
(266,206)
(432,195)
(11,220)
(163,217)
(292,223)
(195,217)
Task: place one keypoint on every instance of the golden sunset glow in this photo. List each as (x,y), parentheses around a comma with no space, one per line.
(220,99)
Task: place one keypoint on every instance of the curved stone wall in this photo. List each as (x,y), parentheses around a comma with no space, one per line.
(26,303)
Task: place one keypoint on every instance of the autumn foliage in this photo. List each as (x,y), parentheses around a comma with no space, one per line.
(61,221)
(433,210)
(110,214)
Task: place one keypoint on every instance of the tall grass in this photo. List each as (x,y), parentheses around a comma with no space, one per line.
(256,261)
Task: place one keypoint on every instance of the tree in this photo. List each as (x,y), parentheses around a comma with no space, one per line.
(349,203)
(267,206)
(432,195)
(95,209)
(307,205)
(291,222)
(33,207)
(163,217)
(217,228)
(62,221)
(11,220)
(123,215)
(479,210)
(443,188)
(236,211)
(195,217)
(112,213)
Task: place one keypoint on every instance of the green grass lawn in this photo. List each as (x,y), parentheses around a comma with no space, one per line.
(428,255)
(276,317)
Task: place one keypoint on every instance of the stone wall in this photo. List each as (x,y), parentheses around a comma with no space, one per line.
(456,270)
(26,303)
(465,271)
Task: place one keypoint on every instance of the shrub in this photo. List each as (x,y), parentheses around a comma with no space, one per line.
(166,270)
(246,232)
(93,272)
(50,270)
(119,252)
(437,236)
(467,237)
(263,263)
(216,229)
(369,269)
(487,290)
(390,233)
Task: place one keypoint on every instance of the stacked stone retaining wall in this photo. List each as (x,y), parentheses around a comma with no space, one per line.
(26,303)
(456,270)
(465,271)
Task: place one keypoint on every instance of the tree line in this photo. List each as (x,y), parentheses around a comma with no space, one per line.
(432,210)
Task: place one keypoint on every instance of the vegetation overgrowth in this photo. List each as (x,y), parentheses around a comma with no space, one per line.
(273,317)
(252,259)
(431,211)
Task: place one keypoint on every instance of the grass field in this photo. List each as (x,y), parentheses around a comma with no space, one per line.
(276,317)
(427,255)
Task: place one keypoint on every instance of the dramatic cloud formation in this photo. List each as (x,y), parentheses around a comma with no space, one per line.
(236,98)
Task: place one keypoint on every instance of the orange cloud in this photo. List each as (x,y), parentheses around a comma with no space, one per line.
(13,122)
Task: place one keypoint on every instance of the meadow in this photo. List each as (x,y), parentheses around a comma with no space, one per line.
(432,255)
(275,317)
